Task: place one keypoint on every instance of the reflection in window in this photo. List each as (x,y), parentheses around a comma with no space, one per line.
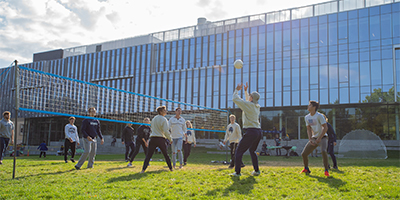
(364,31)
(354,95)
(333,96)
(323,96)
(376,70)
(344,95)
(364,74)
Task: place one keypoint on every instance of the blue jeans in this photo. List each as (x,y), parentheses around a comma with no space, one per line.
(249,141)
(177,149)
(3,146)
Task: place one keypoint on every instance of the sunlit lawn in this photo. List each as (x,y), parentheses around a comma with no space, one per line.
(51,178)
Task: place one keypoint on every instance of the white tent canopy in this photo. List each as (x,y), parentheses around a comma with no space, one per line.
(362,144)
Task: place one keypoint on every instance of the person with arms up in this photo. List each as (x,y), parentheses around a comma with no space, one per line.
(316,131)
(233,134)
(127,139)
(6,133)
(331,143)
(159,134)
(91,130)
(142,139)
(188,140)
(252,127)
(71,139)
(178,129)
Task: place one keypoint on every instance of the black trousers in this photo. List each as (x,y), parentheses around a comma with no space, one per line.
(161,143)
(186,151)
(332,153)
(129,146)
(139,142)
(42,153)
(249,142)
(68,145)
(233,147)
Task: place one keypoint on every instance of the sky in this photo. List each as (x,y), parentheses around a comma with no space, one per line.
(33,26)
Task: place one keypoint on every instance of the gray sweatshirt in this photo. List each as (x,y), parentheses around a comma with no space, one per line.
(6,128)
(251,111)
(159,127)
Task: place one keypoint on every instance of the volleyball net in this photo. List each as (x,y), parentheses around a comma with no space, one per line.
(55,95)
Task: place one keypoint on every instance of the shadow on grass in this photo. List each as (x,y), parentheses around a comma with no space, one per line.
(134,176)
(331,181)
(41,164)
(119,168)
(49,173)
(242,186)
(223,168)
(337,171)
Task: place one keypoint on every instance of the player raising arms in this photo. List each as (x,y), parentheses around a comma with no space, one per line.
(251,125)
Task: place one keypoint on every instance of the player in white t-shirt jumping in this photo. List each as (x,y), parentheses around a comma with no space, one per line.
(316,131)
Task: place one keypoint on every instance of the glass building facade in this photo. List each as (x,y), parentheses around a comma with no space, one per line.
(344,54)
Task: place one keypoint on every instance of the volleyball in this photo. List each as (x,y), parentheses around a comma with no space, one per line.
(238,64)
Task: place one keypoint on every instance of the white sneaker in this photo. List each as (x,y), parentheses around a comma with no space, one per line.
(254,173)
(234,174)
(129,165)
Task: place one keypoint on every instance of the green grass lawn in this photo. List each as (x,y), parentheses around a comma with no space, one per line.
(51,178)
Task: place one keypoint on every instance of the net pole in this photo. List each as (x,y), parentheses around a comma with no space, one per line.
(226,146)
(16,80)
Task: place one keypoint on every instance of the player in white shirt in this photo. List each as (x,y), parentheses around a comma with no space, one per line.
(316,131)
(233,134)
(178,130)
(71,139)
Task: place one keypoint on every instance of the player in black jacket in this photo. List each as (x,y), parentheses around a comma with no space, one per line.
(142,139)
(127,138)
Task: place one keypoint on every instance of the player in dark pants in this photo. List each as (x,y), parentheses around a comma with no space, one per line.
(158,136)
(142,139)
(250,141)
(252,127)
(331,143)
(127,138)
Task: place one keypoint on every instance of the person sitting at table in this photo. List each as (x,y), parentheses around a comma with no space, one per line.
(264,150)
(278,144)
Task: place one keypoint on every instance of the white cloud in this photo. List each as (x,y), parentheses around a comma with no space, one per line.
(32,26)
